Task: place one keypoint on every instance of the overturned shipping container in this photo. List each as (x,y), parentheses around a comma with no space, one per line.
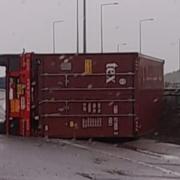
(86,95)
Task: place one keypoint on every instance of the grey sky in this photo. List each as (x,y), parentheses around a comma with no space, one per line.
(28,24)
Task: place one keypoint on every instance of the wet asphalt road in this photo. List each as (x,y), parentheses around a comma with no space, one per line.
(41,159)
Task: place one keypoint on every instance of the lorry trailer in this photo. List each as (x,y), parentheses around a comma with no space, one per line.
(83,95)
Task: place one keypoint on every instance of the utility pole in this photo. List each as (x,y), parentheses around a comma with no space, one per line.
(77,26)
(179,54)
(84,17)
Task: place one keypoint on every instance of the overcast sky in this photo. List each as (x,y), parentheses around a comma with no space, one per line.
(28,24)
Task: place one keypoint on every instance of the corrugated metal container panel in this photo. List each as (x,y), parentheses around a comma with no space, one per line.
(86,95)
(92,95)
(149,95)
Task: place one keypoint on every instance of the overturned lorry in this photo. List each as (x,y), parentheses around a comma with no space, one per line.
(84,95)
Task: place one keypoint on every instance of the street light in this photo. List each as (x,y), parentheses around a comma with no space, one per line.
(179,52)
(102,5)
(84,28)
(177,43)
(140,31)
(119,44)
(54,43)
(77,26)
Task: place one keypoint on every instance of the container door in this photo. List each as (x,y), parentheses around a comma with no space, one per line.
(87,95)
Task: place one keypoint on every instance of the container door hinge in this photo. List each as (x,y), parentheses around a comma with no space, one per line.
(33,83)
(38,61)
(66,80)
(36,118)
(137,125)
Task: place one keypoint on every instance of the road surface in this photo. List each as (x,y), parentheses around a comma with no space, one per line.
(43,159)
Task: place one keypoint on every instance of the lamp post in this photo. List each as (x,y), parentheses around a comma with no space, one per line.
(84,29)
(140,31)
(179,52)
(54,34)
(119,44)
(177,44)
(103,5)
(77,26)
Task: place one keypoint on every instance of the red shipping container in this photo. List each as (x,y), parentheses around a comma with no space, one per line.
(97,95)
(91,95)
